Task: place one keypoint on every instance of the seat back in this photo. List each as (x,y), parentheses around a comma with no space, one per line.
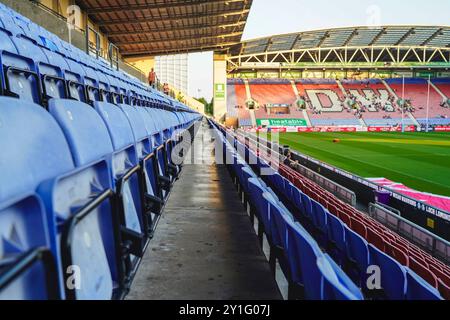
(303,252)
(80,123)
(335,284)
(27,272)
(393,275)
(418,289)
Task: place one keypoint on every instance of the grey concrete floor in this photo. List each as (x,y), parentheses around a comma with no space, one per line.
(204,247)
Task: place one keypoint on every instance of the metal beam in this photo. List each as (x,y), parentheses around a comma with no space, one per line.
(181,17)
(158,51)
(147,6)
(185,38)
(170,29)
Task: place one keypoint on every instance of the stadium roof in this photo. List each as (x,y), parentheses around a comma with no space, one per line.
(156,27)
(408,36)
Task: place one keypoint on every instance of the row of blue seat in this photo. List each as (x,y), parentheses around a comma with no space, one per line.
(346,248)
(321,277)
(85,183)
(86,167)
(38,66)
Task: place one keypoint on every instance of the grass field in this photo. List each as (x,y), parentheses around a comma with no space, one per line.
(418,160)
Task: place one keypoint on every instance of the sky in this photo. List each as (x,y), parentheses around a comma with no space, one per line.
(269,17)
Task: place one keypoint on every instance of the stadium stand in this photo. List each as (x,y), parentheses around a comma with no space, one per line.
(328,104)
(65,198)
(416,92)
(300,223)
(272,92)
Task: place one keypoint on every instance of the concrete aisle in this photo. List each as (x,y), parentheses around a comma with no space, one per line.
(204,247)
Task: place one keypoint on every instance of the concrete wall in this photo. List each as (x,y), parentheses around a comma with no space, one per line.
(59,26)
(48,21)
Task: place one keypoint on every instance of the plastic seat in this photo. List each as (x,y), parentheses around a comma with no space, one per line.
(336,239)
(303,253)
(28,270)
(79,123)
(393,276)
(423,271)
(357,257)
(419,289)
(335,284)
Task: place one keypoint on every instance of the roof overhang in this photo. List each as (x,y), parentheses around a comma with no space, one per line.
(160,27)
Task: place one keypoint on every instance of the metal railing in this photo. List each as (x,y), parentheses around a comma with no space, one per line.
(433,244)
(113,56)
(339,191)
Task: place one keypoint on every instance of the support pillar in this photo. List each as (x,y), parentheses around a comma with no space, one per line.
(220,86)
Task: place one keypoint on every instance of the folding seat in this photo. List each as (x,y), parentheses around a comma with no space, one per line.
(80,123)
(8,23)
(303,253)
(145,151)
(74,77)
(422,269)
(104,86)
(397,253)
(27,266)
(337,246)
(358,227)
(91,82)
(320,223)
(63,192)
(256,191)
(419,289)
(278,218)
(335,284)
(20,77)
(357,256)
(393,277)
(376,239)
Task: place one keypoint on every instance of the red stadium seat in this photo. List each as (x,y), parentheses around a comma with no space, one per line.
(358,227)
(421,268)
(375,238)
(397,253)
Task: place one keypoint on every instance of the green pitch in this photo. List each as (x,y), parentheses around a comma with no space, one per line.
(418,160)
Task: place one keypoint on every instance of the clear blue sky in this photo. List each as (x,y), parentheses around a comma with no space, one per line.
(271,17)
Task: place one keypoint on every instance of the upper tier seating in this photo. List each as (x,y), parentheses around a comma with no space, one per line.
(328,105)
(85,170)
(272,94)
(416,90)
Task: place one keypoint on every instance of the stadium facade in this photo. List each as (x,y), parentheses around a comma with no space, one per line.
(334,56)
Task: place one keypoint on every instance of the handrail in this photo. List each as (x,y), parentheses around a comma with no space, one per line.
(425,239)
(341,192)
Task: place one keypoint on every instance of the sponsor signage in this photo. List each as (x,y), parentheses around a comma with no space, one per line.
(391,129)
(328,129)
(281,122)
(442,128)
(219,91)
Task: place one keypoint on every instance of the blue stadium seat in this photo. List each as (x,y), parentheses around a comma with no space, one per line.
(335,284)
(20,78)
(40,147)
(337,246)
(126,177)
(91,82)
(75,81)
(419,289)
(357,257)
(94,216)
(393,276)
(27,266)
(303,253)
(151,192)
